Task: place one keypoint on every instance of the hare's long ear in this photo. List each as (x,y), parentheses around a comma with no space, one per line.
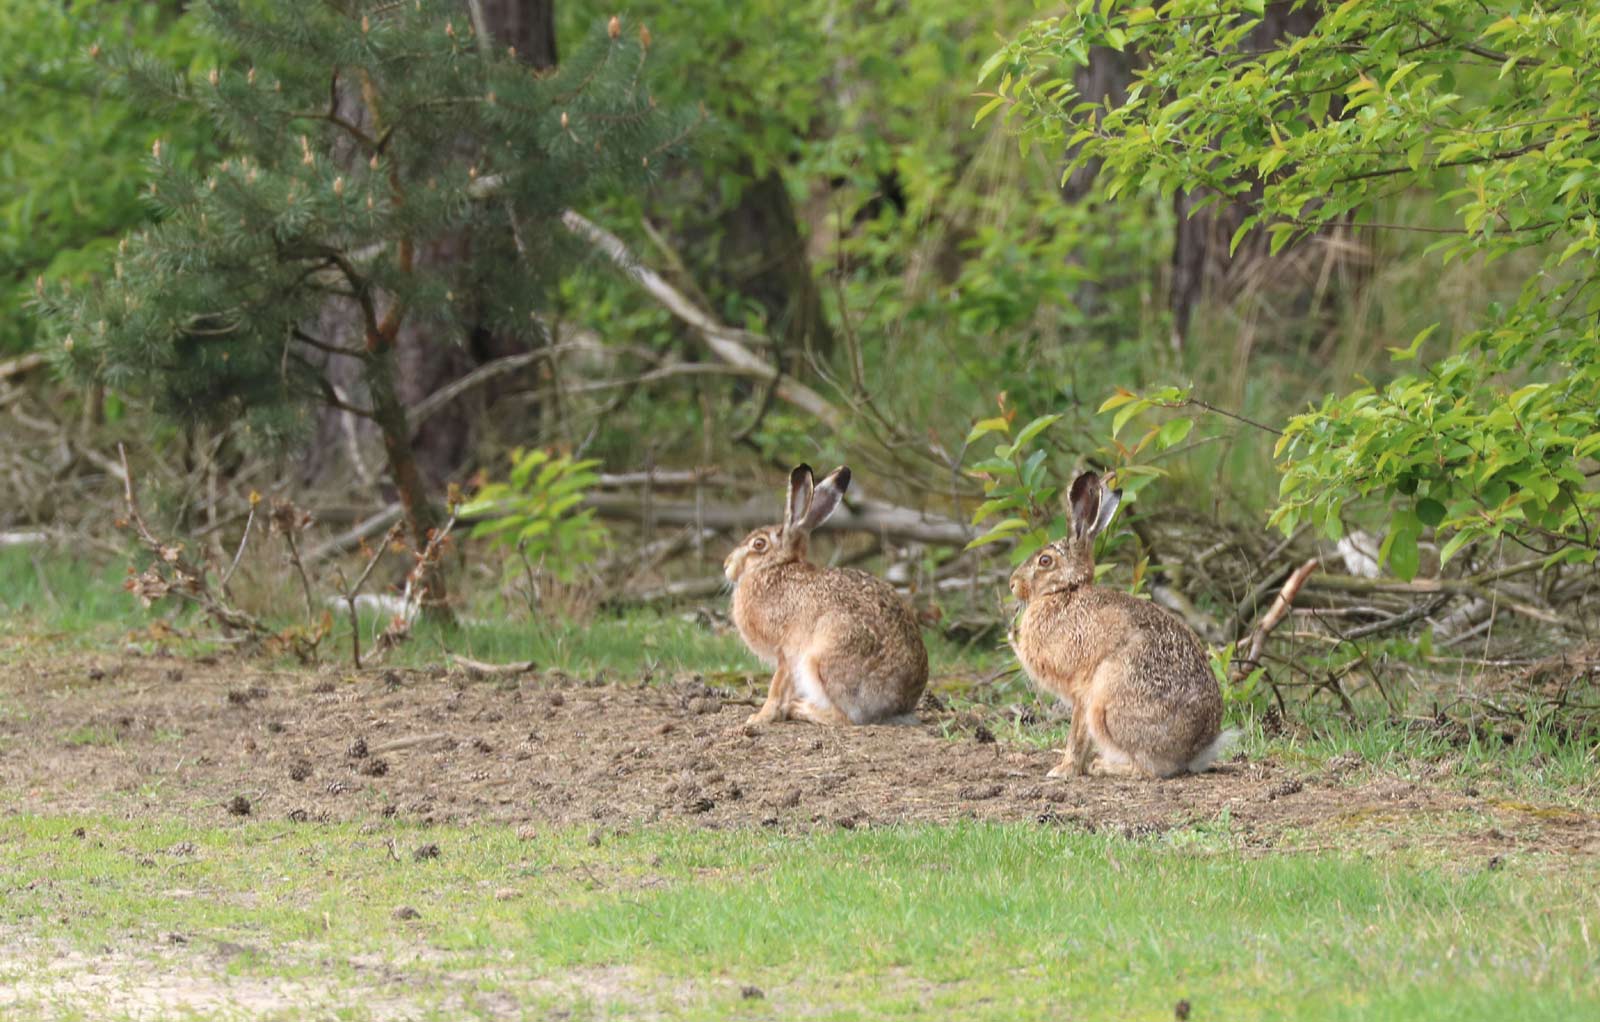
(1084,497)
(799,499)
(1110,500)
(826,500)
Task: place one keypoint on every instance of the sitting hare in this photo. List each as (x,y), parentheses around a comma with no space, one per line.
(1137,679)
(846,647)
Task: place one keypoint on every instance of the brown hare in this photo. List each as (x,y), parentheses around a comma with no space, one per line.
(845,646)
(1141,690)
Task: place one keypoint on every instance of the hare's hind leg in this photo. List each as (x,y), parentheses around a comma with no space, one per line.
(811,696)
(828,714)
(1132,738)
(779,695)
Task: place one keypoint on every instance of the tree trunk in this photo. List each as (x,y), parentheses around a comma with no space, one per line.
(389,413)
(396,376)
(1201,263)
(762,255)
(1105,78)
(527,25)
(427,361)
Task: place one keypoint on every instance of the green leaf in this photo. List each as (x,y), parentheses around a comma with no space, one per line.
(1410,351)
(987,109)
(1430,512)
(1033,429)
(1126,413)
(995,467)
(1452,545)
(990,507)
(1404,557)
(1174,431)
(998,424)
(992,65)
(1000,532)
(1117,400)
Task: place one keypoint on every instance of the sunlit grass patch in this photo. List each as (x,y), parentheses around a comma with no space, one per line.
(969,920)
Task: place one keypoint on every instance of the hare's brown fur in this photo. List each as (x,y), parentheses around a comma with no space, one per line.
(845,646)
(1141,689)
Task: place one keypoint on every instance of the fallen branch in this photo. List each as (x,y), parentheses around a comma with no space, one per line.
(686,589)
(352,537)
(877,517)
(729,344)
(1461,586)
(21,364)
(1174,600)
(631,564)
(435,402)
(408,742)
(1274,615)
(482,667)
(664,477)
(884,519)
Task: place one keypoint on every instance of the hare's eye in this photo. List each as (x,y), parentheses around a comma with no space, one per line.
(1045,560)
(759,545)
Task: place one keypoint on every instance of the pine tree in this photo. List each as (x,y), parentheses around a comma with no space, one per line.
(354,134)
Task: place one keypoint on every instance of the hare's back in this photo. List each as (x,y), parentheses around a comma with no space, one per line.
(863,613)
(1167,653)
(865,596)
(873,661)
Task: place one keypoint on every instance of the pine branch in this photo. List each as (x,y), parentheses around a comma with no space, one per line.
(320,345)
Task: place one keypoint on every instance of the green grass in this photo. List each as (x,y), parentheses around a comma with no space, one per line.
(642,641)
(968,920)
(75,600)
(81,605)
(90,734)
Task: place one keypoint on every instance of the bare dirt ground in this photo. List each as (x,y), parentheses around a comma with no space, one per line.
(203,740)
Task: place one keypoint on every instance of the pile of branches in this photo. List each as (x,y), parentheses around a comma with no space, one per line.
(1320,617)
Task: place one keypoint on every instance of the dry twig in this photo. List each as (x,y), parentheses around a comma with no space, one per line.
(187,580)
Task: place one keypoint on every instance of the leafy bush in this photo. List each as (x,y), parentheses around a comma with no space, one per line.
(1020,481)
(536,513)
(1482,105)
(1017,484)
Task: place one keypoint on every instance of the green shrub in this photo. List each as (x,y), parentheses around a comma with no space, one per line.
(536,513)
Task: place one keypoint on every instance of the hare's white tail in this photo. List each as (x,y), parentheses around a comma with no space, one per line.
(1223,744)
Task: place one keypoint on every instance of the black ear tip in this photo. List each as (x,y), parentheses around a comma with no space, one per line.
(800,473)
(842,475)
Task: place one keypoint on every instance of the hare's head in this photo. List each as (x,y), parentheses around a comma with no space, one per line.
(1069,563)
(808,506)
